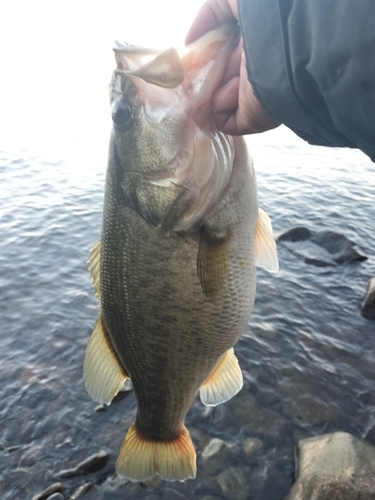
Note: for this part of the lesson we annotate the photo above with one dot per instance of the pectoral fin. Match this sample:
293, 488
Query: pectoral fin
224, 382
212, 262
265, 245
94, 267
103, 374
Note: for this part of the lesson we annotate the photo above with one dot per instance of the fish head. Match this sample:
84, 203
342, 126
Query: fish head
161, 102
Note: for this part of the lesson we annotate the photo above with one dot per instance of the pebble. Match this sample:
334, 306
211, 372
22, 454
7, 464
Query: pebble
54, 488
93, 463
252, 448
100, 408
368, 304
56, 496
234, 484
170, 494
215, 455
84, 488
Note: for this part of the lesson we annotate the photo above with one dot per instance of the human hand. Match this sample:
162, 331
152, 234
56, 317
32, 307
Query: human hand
235, 109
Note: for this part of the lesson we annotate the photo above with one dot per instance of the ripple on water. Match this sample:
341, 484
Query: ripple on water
307, 354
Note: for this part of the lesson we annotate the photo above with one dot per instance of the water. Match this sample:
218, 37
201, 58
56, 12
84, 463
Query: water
307, 354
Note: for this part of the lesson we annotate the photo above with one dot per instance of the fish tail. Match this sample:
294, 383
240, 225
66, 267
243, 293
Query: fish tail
141, 458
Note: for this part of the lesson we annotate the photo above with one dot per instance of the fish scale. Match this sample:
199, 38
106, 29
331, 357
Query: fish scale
178, 252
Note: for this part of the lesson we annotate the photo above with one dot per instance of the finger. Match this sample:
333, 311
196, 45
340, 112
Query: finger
212, 14
225, 105
233, 65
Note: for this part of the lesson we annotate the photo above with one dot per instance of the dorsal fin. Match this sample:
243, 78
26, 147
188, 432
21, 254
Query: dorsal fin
265, 244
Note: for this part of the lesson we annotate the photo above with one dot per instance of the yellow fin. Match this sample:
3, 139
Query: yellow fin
265, 244
94, 267
103, 374
141, 458
224, 382
212, 263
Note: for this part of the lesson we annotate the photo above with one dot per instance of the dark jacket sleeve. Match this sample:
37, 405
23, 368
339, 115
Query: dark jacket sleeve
312, 67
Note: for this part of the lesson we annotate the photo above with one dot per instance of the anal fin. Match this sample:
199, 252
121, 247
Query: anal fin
103, 374
224, 382
141, 458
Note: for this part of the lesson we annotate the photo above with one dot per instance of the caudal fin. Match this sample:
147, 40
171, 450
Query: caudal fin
140, 458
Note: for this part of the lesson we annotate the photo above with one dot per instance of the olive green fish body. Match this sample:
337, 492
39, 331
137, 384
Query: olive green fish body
166, 331
174, 271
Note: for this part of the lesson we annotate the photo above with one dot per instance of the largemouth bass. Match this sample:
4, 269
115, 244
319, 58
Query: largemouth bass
174, 271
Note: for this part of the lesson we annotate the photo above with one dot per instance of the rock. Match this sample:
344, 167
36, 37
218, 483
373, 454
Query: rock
252, 448
170, 494
233, 483
200, 440
368, 304
335, 466
92, 464
153, 482
56, 496
295, 234
215, 455
307, 408
100, 407
341, 248
266, 423
81, 490
54, 488
324, 248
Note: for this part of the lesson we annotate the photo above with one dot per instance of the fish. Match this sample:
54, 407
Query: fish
175, 268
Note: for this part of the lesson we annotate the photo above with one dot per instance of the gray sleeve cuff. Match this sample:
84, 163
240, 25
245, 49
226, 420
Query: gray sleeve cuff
279, 42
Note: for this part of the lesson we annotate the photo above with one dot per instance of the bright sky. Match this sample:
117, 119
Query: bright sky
57, 59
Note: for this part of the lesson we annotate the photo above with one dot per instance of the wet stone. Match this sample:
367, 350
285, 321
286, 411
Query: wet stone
233, 483
170, 494
368, 304
56, 496
215, 456
100, 408
209, 497
91, 464
295, 234
308, 409
54, 488
81, 490
199, 438
323, 248
334, 466
151, 483
252, 448
266, 423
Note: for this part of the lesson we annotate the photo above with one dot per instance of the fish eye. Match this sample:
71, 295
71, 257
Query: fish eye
121, 113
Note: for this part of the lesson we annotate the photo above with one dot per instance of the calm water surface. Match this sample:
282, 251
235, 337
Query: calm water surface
307, 354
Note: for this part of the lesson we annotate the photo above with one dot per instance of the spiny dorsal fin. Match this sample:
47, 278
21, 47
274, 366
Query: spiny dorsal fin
141, 458
212, 263
103, 374
265, 244
94, 267
224, 382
